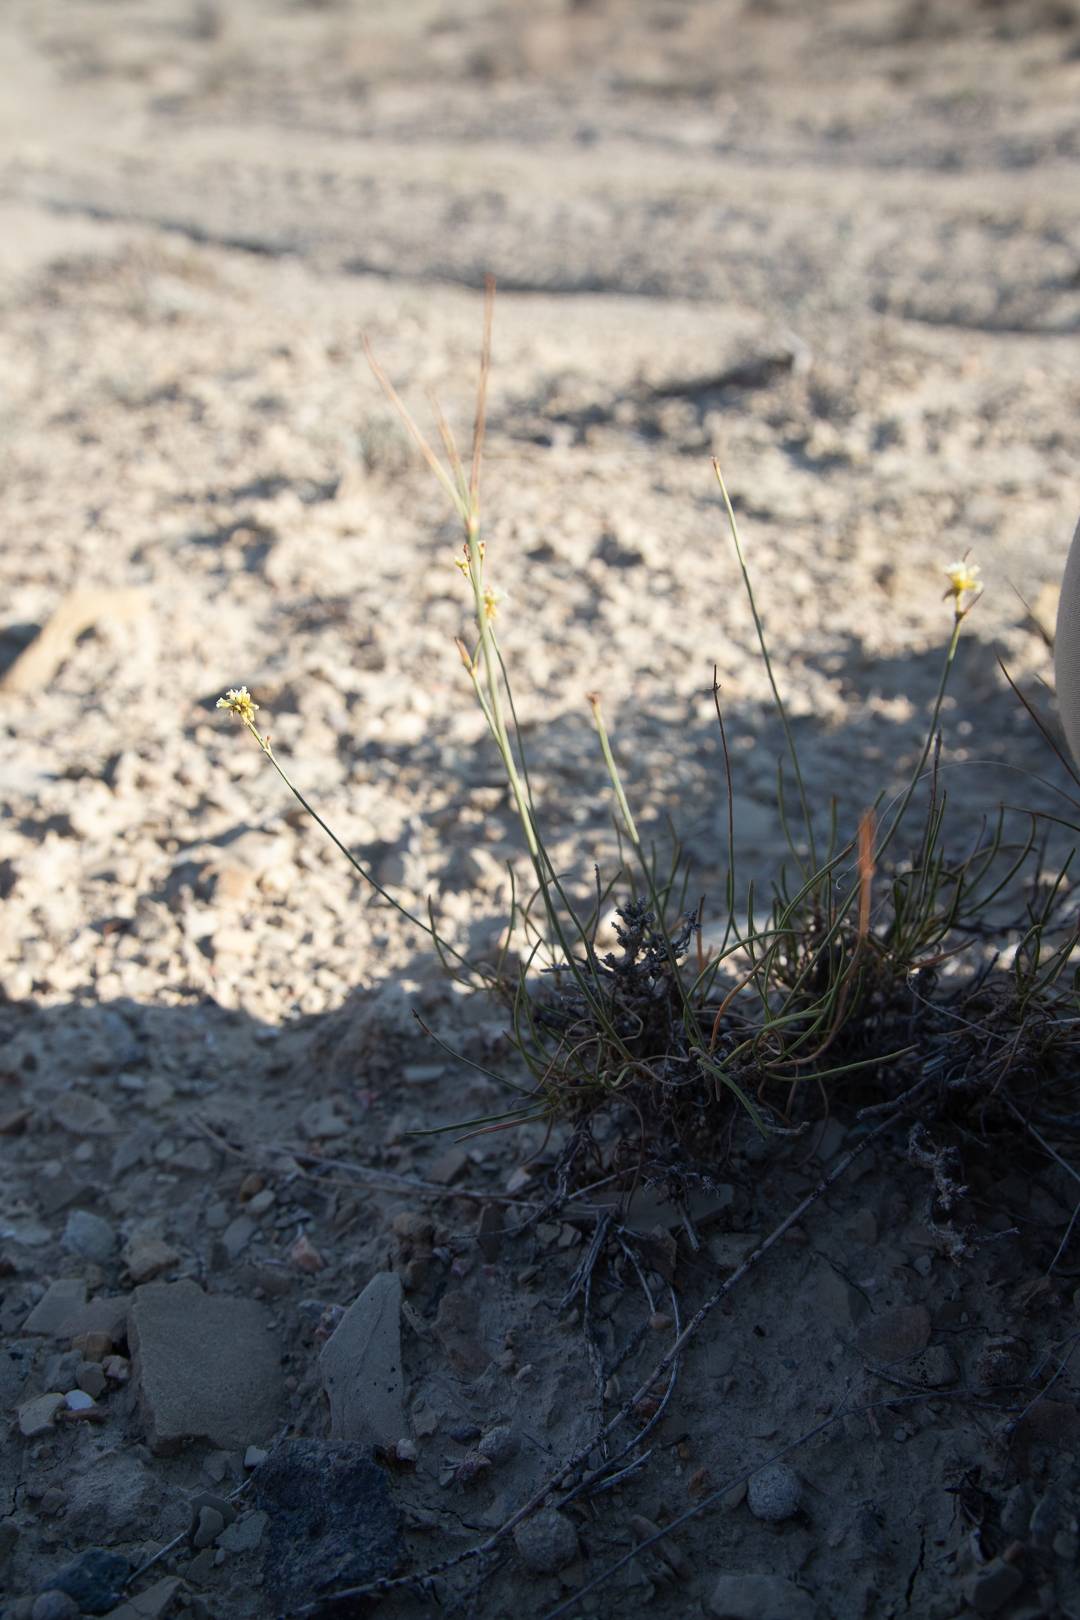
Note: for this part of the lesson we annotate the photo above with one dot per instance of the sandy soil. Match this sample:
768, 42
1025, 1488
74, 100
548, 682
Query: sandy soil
836, 245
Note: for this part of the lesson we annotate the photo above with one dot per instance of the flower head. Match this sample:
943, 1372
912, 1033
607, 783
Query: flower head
238, 701
491, 602
963, 580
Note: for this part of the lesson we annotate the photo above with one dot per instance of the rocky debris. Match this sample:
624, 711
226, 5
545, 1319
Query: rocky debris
759, 1597
992, 1586
320, 1121
728, 1250
546, 1542
91, 1379
37, 1416
490, 1228
1002, 1360
935, 1367
245, 1535
774, 1493
206, 1367
89, 1235
1016, 1510
893, 1335
54, 1606
413, 1238
94, 1580
56, 1307
106, 1316
147, 1257
837, 1301
152, 1604
83, 1115
360, 1367
331, 1520
208, 1527
457, 1328
498, 1444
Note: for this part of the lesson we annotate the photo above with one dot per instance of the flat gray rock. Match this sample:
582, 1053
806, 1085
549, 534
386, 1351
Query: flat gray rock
360, 1367
206, 1367
61, 1300
759, 1597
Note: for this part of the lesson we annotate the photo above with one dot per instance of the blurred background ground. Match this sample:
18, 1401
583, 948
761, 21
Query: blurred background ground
836, 245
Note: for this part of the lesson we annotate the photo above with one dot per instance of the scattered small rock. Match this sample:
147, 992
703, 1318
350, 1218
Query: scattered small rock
59, 1302
498, 1444
206, 1366
895, 1334
836, 1300
774, 1493
91, 1379
759, 1597
332, 1520
1002, 1361
245, 1535
319, 1121
255, 1456
305, 1256
54, 1606
93, 1580
729, 1249
360, 1367
148, 1257
934, 1367
77, 1400
83, 1115
236, 1237
151, 1604
37, 1416
546, 1542
457, 1330
991, 1587
89, 1235
105, 1314
1016, 1511
489, 1232
208, 1527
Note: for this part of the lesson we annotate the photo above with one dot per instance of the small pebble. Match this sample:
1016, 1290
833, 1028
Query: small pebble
77, 1400
255, 1456
91, 1379
89, 1235
547, 1542
774, 1493
500, 1443
54, 1606
209, 1526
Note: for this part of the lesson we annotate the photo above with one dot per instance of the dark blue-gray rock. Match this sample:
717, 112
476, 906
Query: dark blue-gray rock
89, 1235
893, 1335
759, 1597
332, 1521
774, 1493
546, 1542
93, 1580
54, 1606
992, 1586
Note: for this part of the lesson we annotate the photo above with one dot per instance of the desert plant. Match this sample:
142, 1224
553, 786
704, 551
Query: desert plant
825, 991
